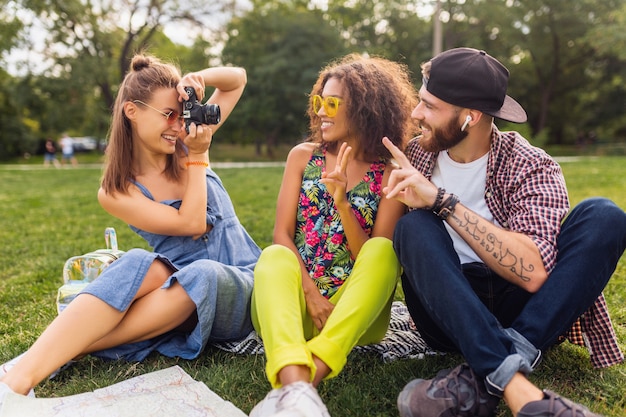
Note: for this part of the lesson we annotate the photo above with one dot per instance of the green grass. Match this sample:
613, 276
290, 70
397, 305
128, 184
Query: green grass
51, 215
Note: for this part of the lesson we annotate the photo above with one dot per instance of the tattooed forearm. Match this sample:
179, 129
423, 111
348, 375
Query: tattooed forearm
471, 226
476, 229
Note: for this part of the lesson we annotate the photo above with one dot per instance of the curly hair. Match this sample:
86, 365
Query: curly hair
147, 74
379, 100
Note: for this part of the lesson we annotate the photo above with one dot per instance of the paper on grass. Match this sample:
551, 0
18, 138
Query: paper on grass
168, 392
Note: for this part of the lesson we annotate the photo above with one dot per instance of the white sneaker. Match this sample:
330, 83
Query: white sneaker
4, 368
4, 389
267, 406
300, 399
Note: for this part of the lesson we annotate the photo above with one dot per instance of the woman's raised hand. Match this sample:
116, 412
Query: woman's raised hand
194, 80
336, 181
199, 138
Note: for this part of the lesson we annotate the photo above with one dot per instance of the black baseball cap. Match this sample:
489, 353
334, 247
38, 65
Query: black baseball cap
470, 78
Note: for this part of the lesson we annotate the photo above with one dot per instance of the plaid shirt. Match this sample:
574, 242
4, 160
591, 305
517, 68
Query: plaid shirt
525, 191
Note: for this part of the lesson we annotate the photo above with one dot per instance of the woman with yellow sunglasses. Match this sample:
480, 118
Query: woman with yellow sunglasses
328, 281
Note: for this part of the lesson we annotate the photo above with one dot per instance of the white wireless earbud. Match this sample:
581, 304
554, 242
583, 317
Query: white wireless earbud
468, 119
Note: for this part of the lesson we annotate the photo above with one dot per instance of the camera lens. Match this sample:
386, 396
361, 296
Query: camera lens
211, 114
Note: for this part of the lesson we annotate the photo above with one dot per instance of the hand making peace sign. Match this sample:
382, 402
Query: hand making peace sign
406, 183
336, 181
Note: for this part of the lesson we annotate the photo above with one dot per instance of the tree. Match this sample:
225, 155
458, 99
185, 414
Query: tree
392, 29
606, 99
566, 58
15, 136
10, 25
88, 48
282, 46
545, 44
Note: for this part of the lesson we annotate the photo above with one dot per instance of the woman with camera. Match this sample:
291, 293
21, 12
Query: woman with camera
196, 284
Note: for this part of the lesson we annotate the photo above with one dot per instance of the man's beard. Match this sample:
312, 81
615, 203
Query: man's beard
445, 138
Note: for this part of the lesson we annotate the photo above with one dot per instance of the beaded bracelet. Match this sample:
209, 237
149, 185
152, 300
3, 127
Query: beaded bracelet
447, 208
199, 163
437, 204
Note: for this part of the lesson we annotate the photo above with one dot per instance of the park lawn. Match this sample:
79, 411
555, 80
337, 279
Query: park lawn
51, 215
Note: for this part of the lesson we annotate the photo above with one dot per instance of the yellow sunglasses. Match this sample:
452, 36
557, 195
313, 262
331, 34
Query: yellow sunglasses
330, 104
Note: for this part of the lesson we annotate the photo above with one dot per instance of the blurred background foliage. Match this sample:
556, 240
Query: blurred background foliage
61, 61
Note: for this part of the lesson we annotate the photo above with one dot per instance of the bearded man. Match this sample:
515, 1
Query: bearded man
493, 268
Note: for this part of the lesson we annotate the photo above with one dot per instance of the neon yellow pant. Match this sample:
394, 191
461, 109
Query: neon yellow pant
361, 314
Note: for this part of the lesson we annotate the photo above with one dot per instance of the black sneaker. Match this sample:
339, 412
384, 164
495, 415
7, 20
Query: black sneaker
455, 393
554, 405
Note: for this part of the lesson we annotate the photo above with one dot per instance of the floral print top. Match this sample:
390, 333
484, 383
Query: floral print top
320, 236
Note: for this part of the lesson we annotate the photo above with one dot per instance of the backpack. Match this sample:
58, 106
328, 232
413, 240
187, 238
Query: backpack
80, 270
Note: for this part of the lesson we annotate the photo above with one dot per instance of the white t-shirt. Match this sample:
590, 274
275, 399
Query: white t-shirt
467, 181
67, 145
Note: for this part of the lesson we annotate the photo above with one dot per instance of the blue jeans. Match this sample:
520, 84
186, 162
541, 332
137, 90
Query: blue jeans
498, 327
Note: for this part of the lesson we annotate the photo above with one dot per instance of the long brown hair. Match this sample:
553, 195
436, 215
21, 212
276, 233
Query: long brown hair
147, 74
379, 98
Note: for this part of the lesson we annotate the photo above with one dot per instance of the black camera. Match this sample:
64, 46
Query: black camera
196, 112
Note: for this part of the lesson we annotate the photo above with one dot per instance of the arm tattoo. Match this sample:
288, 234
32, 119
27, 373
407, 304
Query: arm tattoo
475, 229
